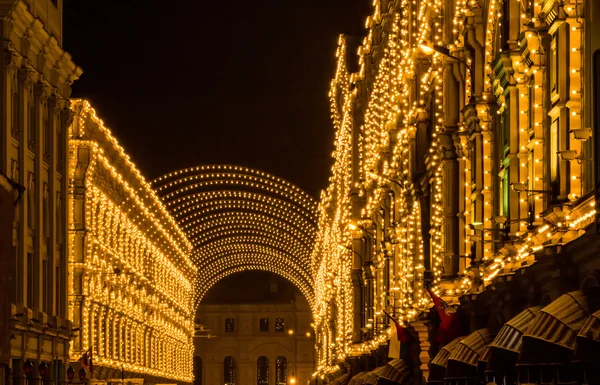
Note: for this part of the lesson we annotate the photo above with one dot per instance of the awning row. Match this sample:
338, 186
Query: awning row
396, 371
564, 331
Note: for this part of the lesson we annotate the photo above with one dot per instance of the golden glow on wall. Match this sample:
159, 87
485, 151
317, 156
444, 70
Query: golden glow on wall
242, 219
139, 319
449, 171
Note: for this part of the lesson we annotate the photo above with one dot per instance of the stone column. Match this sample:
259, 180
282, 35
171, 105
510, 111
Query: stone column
450, 170
422, 330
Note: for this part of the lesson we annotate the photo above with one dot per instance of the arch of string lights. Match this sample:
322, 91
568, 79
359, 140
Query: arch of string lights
241, 219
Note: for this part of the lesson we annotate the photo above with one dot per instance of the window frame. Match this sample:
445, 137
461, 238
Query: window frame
229, 322
263, 322
279, 328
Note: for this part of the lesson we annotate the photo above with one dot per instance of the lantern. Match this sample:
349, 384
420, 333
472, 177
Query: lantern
27, 366
43, 368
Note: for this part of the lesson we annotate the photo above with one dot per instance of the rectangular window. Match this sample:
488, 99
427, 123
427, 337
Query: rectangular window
45, 288
15, 115
60, 149
264, 325
506, 128
229, 325
553, 66
30, 278
46, 212
279, 325
30, 201
32, 127
57, 285
554, 152
59, 219
505, 188
47, 141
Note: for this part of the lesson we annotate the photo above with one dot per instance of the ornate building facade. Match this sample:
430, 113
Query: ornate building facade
254, 336
130, 275
36, 75
464, 162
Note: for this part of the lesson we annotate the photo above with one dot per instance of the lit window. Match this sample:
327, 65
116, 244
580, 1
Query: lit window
229, 371
229, 325
281, 371
279, 325
554, 152
262, 371
553, 67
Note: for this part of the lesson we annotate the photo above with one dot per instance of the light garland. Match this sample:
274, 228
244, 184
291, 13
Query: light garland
241, 219
398, 93
125, 318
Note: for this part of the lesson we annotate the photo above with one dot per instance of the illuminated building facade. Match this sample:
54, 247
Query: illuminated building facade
36, 75
260, 334
464, 162
130, 275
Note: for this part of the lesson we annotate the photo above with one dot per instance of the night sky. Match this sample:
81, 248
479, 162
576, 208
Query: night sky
187, 83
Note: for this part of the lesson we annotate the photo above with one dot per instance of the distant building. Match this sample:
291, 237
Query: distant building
131, 286
35, 79
256, 329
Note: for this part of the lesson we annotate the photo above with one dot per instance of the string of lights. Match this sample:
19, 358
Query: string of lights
437, 86
242, 219
130, 272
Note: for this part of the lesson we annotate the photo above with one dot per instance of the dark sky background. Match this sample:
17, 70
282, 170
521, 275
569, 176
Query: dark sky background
194, 82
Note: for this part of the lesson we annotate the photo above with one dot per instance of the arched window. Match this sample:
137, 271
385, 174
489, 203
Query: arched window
262, 371
229, 371
197, 370
281, 371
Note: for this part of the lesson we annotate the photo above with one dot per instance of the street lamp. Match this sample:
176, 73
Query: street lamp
43, 370
70, 374
27, 366
429, 49
522, 187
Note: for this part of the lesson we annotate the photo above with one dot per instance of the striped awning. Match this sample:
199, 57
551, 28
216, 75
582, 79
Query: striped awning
357, 379
462, 362
551, 336
504, 350
341, 380
588, 340
437, 366
371, 377
396, 371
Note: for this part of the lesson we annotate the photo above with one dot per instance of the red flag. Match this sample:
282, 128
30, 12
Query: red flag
399, 336
450, 323
400, 330
86, 360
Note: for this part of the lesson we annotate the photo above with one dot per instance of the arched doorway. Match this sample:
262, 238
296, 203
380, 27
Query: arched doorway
229, 371
262, 371
197, 370
281, 371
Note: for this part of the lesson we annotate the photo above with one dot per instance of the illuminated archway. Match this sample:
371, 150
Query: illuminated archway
240, 219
